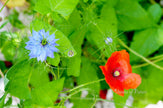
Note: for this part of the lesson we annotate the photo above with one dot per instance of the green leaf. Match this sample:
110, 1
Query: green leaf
150, 90
25, 76
102, 28
54, 61
64, 26
74, 63
85, 0
88, 74
65, 45
69, 82
146, 42
111, 3
108, 20
131, 16
38, 75
29, 80
155, 11
42, 6
70, 25
56, 18
64, 7
39, 24
75, 19
47, 94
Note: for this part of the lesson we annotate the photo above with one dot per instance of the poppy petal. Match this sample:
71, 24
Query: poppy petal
103, 70
119, 55
116, 86
119, 59
131, 81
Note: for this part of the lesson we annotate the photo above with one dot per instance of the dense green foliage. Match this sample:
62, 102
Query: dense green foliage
82, 26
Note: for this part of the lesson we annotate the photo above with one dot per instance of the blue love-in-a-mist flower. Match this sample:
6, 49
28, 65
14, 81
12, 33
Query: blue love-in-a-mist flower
41, 45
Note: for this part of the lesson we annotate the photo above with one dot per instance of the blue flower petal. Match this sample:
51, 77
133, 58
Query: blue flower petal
54, 49
33, 52
39, 51
46, 34
42, 33
54, 44
51, 38
49, 52
36, 36
42, 56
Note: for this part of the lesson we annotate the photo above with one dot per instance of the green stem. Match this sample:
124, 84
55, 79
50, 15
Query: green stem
145, 64
58, 72
51, 70
68, 97
84, 85
75, 92
4, 5
156, 57
137, 54
53, 75
95, 100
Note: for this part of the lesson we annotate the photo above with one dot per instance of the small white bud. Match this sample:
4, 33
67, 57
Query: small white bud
70, 53
108, 40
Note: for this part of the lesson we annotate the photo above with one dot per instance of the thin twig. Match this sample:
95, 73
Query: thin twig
1, 73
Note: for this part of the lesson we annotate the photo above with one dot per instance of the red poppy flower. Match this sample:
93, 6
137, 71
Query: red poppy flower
103, 93
118, 73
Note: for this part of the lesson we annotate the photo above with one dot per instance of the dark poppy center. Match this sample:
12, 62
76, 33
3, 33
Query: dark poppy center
116, 73
44, 42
